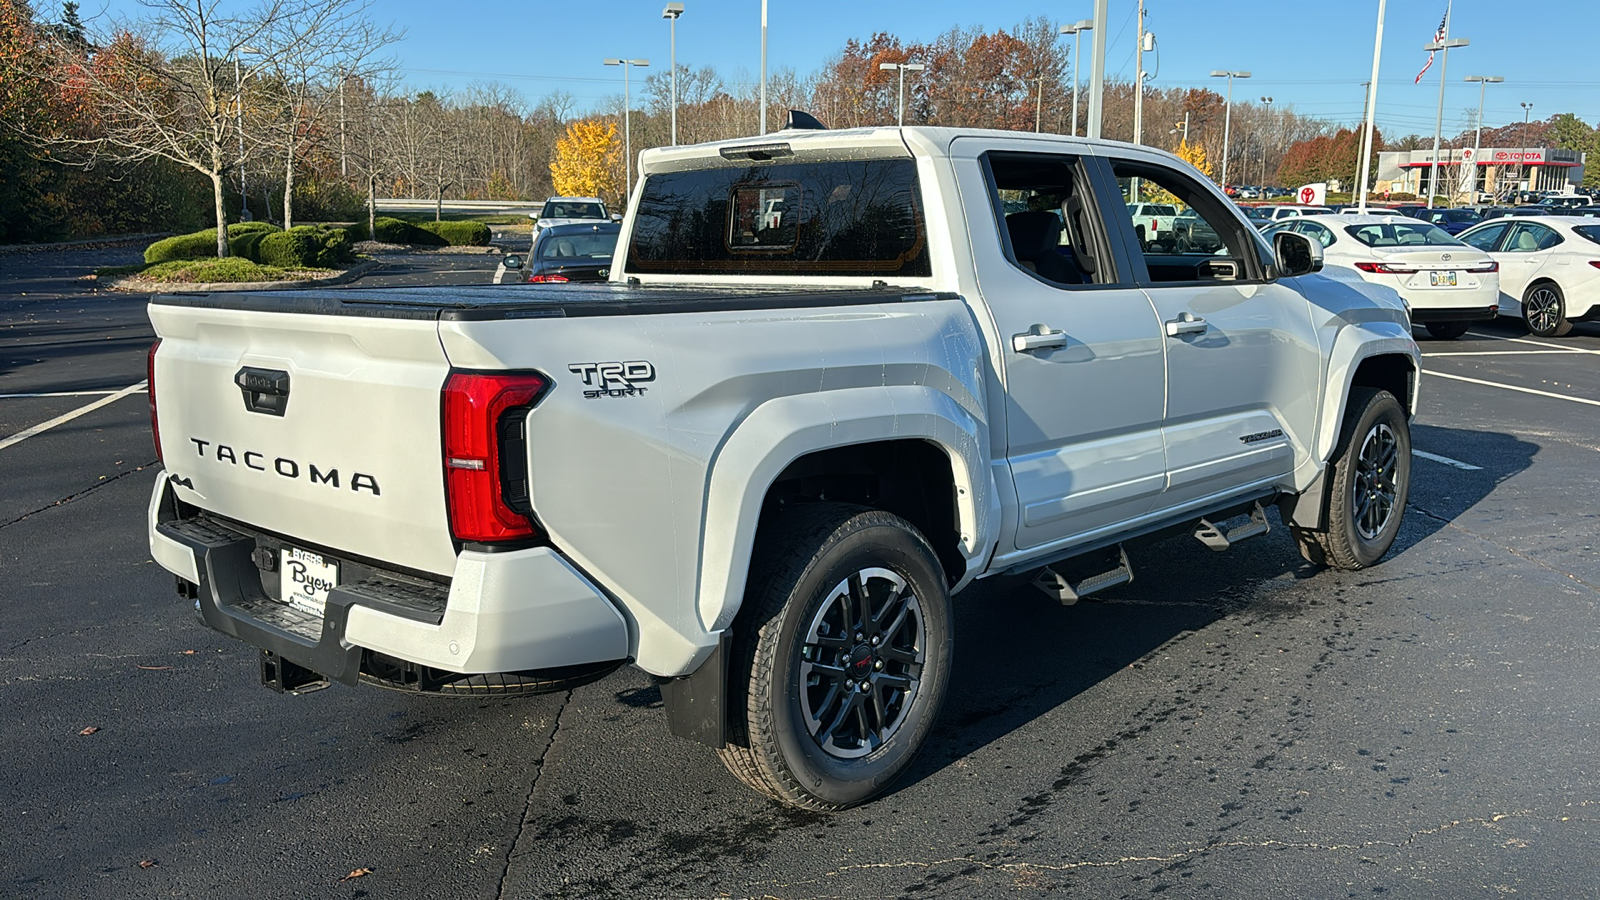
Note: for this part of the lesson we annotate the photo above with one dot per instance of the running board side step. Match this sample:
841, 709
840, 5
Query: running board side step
1056, 585
1218, 540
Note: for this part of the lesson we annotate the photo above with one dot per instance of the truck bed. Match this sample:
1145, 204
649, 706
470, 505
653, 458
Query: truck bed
491, 302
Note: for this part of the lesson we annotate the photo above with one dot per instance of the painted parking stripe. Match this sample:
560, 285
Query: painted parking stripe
1447, 353
1446, 460
1535, 343
57, 394
42, 427
1510, 387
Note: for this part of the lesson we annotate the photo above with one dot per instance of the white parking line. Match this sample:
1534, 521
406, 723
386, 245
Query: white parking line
42, 427
1508, 352
1509, 387
1568, 349
1446, 460
57, 394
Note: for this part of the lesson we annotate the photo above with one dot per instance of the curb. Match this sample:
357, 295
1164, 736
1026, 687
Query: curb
147, 287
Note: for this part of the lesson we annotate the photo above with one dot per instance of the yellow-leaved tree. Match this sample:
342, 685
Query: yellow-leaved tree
1194, 155
585, 161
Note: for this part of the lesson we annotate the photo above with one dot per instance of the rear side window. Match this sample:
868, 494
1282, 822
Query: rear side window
1588, 232
851, 217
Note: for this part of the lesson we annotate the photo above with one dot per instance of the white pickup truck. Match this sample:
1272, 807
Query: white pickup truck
836, 376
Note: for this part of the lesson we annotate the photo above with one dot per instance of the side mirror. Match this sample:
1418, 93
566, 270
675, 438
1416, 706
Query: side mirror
1296, 254
616, 217
511, 262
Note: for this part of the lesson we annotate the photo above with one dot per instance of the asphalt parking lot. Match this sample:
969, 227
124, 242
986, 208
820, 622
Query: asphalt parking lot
1227, 725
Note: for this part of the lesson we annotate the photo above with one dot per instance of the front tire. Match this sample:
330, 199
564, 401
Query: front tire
1369, 481
1447, 331
1544, 309
841, 656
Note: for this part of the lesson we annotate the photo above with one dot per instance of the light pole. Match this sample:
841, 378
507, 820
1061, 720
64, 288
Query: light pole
1227, 118
1477, 141
1097, 71
673, 11
1365, 165
238, 107
1146, 43
627, 123
1076, 30
1438, 122
1523, 163
763, 66
1267, 102
900, 118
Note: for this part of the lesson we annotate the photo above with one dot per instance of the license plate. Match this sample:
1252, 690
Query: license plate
306, 579
1442, 279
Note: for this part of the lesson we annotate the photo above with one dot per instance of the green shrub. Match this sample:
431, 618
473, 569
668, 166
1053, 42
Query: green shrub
200, 271
303, 247
398, 231
247, 245
201, 244
460, 234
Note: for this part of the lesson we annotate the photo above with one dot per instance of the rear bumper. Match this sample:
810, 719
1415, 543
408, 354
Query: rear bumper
511, 611
1424, 314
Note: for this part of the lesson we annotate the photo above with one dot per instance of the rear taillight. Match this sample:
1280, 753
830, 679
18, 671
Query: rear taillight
485, 454
1595, 263
1385, 268
1484, 267
150, 389
548, 279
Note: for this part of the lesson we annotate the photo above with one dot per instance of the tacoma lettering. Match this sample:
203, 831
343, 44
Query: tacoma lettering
283, 466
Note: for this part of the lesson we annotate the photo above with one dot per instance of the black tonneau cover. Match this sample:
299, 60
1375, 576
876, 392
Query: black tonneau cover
523, 301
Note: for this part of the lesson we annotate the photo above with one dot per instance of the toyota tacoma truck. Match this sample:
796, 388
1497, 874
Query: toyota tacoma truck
835, 378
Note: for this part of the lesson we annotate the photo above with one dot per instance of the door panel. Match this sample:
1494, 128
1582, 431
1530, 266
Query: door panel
1085, 392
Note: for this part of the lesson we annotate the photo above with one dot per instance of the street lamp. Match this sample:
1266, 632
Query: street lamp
627, 122
1227, 117
673, 11
1526, 109
900, 118
1477, 141
1267, 102
763, 66
238, 105
1438, 122
1076, 29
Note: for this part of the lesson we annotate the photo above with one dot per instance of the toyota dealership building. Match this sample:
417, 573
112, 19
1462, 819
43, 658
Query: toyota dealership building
1491, 170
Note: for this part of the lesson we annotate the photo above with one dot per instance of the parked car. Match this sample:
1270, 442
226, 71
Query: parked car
1154, 220
1259, 216
1549, 268
1454, 221
1290, 211
569, 210
563, 253
1371, 211
1446, 284
760, 459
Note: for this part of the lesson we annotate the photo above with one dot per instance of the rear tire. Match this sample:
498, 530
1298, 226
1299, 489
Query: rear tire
1447, 331
1544, 309
1369, 481
841, 656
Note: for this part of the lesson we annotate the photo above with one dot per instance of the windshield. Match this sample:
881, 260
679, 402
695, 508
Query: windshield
1251, 212
1454, 215
571, 210
1402, 234
587, 246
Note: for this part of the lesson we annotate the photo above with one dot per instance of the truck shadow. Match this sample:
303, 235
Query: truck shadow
1020, 655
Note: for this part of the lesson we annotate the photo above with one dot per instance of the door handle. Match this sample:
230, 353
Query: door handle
1039, 337
1186, 323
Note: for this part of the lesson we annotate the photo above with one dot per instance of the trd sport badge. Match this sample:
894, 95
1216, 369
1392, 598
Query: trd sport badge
613, 379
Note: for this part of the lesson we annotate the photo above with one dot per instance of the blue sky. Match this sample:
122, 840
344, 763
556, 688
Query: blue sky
1311, 55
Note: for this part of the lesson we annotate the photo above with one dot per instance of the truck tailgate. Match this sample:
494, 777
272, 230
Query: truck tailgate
351, 462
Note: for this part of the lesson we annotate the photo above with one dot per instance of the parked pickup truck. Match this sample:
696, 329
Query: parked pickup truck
830, 383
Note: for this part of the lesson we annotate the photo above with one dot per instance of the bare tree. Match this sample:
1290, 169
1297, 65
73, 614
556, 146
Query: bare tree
169, 86
314, 49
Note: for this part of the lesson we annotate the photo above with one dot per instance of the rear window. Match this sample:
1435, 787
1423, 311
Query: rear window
1402, 234
1588, 232
850, 217
586, 245
571, 210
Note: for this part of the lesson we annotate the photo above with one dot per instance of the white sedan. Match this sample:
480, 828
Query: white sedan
1549, 268
1446, 284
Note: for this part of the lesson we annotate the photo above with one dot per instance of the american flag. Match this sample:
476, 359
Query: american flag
1438, 37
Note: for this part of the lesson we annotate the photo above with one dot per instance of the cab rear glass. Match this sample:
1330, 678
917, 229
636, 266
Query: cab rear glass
842, 218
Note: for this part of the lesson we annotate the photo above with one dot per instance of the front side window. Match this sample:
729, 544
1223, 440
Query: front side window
1201, 234
843, 218
1486, 238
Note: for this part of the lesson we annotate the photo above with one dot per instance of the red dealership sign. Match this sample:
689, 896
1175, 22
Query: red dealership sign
1519, 156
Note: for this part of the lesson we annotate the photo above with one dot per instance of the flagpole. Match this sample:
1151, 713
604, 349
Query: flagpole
1438, 122
1372, 111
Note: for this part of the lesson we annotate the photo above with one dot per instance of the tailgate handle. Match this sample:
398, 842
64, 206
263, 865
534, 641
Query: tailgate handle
265, 390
